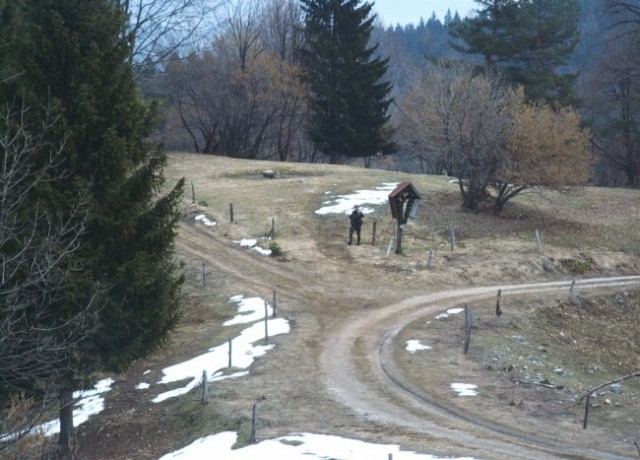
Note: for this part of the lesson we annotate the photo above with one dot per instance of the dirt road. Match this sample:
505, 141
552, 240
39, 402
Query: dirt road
386, 396
353, 374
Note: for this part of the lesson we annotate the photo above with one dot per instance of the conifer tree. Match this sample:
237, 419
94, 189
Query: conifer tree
531, 40
349, 96
76, 55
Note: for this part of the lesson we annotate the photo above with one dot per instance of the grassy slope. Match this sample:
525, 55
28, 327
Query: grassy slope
585, 232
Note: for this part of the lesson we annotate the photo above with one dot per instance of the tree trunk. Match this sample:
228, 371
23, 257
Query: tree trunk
66, 421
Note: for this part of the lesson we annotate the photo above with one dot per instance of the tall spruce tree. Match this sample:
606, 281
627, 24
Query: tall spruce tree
531, 40
76, 55
349, 96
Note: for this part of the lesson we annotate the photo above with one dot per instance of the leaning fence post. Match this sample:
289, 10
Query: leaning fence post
586, 412
193, 193
537, 241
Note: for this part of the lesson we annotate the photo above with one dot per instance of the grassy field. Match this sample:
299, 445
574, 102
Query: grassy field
532, 362
582, 230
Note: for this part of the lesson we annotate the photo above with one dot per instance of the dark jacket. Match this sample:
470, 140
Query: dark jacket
356, 218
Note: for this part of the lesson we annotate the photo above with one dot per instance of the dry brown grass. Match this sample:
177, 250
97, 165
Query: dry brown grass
585, 232
536, 361
586, 219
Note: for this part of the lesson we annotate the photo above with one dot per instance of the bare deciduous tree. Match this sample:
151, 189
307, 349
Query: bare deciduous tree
243, 26
282, 34
37, 244
613, 97
487, 135
462, 121
625, 14
161, 27
282, 38
242, 96
548, 147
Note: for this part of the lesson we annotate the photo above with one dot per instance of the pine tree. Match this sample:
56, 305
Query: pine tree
76, 55
531, 40
350, 98
489, 33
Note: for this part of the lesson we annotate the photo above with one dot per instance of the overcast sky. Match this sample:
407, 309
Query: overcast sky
392, 12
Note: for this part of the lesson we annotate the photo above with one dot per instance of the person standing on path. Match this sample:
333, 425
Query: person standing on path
356, 224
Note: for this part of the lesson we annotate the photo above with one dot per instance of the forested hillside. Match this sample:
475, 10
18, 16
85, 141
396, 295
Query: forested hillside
240, 93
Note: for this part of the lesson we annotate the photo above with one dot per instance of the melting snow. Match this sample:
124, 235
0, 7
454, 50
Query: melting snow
343, 204
451, 311
415, 345
205, 220
252, 243
299, 446
243, 350
465, 389
90, 402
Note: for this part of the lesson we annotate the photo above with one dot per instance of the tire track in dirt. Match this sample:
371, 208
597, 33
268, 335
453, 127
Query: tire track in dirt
381, 393
386, 396
253, 269
298, 283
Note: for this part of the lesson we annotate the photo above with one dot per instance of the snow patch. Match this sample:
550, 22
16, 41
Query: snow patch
415, 345
205, 220
465, 389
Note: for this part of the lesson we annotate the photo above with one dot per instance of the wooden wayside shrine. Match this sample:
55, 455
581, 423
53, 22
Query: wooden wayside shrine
404, 205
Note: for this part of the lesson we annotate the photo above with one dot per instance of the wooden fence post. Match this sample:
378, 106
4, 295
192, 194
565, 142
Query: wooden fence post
272, 233
373, 232
231, 212
204, 274
452, 238
586, 412
572, 290
266, 320
274, 304
254, 424
430, 261
537, 241
193, 193
468, 320
230, 350
205, 388
498, 309
389, 247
